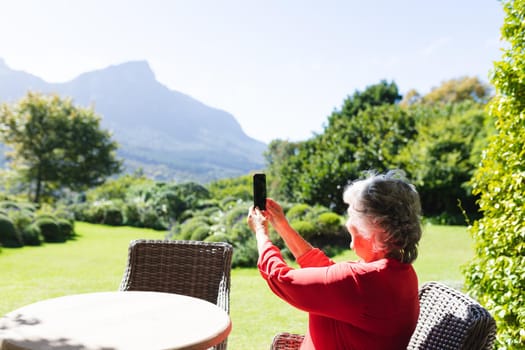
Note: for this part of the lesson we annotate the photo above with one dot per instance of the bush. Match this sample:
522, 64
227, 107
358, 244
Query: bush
80, 211
21, 219
113, 216
305, 228
200, 233
149, 218
237, 234
9, 237
298, 211
9, 205
236, 214
496, 275
31, 235
245, 253
209, 212
95, 213
66, 227
229, 202
325, 232
50, 230
186, 215
330, 224
185, 230
106, 212
219, 237
131, 213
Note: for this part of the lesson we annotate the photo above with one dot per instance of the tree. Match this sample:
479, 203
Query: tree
369, 141
281, 177
496, 275
365, 134
411, 97
443, 156
56, 145
383, 93
458, 90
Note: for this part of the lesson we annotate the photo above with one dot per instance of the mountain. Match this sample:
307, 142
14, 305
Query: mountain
168, 134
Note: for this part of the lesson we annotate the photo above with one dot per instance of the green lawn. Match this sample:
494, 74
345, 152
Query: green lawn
95, 261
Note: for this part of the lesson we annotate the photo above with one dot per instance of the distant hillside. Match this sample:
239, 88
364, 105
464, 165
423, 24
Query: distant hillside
168, 134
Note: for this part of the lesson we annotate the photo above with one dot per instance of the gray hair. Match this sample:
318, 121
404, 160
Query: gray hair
389, 206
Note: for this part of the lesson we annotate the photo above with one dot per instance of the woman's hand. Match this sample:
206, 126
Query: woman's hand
275, 214
257, 221
259, 225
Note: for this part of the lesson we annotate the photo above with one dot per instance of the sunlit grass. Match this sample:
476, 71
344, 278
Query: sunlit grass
95, 261
443, 252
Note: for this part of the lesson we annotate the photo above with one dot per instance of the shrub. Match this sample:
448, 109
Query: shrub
113, 216
80, 211
245, 253
236, 214
9, 237
31, 235
298, 211
496, 275
228, 202
50, 230
95, 212
66, 227
185, 215
9, 205
200, 233
209, 212
219, 237
117, 188
238, 233
325, 232
104, 212
150, 218
330, 224
207, 203
62, 213
305, 228
21, 219
185, 230
131, 214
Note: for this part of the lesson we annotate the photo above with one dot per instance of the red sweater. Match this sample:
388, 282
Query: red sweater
351, 305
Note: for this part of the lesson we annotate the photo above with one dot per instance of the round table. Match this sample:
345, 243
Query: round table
115, 320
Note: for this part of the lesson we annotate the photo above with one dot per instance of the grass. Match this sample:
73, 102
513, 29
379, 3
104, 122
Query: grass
95, 261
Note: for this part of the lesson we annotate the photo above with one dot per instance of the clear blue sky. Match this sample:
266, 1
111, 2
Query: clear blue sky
279, 66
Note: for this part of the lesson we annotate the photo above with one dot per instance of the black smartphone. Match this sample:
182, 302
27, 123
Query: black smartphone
259, 191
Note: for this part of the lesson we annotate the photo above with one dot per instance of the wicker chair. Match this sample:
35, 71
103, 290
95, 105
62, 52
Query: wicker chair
448, 320
193, 268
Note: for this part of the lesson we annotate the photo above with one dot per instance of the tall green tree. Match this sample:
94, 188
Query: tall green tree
441, 159
369, 141
382, 93
56, 145
281, 174
496, 275
364, 134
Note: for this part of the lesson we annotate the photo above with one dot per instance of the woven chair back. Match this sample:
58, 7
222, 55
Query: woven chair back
194, 268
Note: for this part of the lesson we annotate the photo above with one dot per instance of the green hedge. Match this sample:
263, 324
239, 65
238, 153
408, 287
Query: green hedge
50, 230
9, 237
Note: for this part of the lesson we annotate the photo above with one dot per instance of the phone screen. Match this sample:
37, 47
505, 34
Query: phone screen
259, 191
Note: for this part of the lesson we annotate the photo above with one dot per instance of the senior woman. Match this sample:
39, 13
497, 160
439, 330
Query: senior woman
369, 304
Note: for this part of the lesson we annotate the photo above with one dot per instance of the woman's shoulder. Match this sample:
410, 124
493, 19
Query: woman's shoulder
381, 265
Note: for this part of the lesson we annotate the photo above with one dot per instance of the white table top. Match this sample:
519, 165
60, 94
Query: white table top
115, 320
